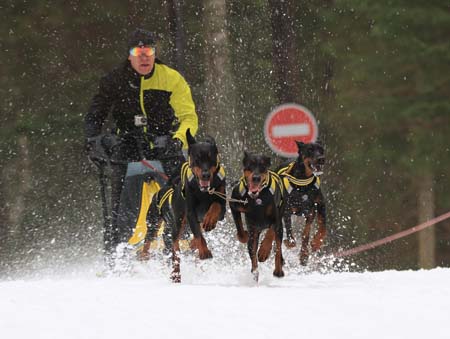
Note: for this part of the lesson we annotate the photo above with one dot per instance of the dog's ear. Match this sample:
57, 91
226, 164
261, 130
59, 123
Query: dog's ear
189, 137
210, 140
246, 156
267, 161
301, 147
300, 144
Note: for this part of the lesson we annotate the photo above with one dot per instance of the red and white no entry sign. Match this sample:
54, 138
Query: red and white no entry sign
289, 123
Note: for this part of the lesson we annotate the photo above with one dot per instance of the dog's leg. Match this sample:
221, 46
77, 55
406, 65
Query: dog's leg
266, 245
304, 251
278, 231
202, 247
175, 276
153, 222
212, 216
176, 231
199, 241
289, 242
242, 234
278, 272
252, 246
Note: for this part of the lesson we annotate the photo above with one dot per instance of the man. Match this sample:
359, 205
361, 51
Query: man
152, 107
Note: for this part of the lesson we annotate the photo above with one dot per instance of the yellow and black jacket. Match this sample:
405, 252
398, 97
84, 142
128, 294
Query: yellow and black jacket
163, 96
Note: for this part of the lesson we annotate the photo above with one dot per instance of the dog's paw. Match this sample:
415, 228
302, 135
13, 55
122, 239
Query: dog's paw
143, 256
316, 243
205, 254
243, 237
207, 226
290, 242
304, 256
209, 222
278, 273
263, 254
255, 275
175, 277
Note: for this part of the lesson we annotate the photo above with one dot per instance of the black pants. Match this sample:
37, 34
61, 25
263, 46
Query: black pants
112, 233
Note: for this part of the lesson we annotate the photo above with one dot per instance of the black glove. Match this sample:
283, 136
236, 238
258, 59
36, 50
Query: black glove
95, 151
174, 146
168, 147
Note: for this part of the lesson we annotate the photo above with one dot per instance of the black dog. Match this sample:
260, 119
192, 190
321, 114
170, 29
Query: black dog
259, 195
304, 196
197, 198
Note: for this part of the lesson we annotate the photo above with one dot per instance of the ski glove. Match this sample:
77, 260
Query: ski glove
95, 151
168, 147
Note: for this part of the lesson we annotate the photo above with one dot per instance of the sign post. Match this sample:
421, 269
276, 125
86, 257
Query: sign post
289, 123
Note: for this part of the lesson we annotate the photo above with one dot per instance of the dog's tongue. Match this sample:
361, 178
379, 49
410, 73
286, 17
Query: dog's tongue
204, 184
253, 188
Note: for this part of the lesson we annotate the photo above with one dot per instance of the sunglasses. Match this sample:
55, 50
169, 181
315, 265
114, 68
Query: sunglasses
138, 51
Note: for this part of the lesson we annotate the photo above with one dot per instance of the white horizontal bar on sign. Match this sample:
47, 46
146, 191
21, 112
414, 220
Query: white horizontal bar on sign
290, 130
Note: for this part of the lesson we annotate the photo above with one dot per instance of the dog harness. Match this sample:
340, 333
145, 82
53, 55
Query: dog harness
290, 182
167, 195
272, 181
187, 175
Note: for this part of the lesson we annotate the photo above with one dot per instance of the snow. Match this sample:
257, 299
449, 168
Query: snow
214, 301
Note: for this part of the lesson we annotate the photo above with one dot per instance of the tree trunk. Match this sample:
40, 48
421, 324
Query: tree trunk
177, 34
219, 101
427, 237
134, 17
284, 50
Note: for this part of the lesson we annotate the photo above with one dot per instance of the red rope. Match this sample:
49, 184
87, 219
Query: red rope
147, 164
393, 237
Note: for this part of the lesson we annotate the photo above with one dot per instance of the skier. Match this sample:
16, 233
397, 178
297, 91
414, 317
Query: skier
152, 107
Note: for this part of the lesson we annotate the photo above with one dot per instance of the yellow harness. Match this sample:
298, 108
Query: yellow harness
187, 175
289, 181
272, 181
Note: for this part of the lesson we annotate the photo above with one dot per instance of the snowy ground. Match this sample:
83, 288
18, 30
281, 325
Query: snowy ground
214, 301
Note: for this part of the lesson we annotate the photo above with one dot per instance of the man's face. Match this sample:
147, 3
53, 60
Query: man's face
142, 59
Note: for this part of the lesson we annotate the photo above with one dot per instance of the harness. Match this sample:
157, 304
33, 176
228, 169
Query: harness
187, 175
290, 182
167, 195
272, 181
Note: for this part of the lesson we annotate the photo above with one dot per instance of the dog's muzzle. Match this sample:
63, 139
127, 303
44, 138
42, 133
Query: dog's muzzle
204, 182
317, 166
253, 189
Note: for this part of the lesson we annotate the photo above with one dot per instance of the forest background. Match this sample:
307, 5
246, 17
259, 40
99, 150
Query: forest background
376, 75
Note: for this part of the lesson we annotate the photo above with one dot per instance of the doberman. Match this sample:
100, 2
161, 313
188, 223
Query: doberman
304, 196
197, 199
259, 196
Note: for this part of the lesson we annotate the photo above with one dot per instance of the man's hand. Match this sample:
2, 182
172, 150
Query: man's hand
173, 148
95, 151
